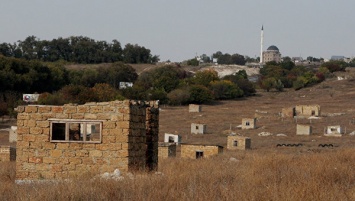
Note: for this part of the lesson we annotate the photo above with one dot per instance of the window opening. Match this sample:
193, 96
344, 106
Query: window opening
235, 143
171, 139
199, 154
75, 131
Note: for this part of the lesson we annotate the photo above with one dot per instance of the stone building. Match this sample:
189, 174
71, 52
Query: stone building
200, 151
334, 131
194, 108
303, 129
308, 110
288, 112
272, 54
235, 142
198, 128
248, 123
166, 150
13, 134
171, 138
54, 142
7, 153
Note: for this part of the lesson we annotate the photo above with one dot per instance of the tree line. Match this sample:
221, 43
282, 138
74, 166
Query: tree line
77, 49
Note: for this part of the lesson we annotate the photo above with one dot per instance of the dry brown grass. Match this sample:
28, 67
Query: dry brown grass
328, 175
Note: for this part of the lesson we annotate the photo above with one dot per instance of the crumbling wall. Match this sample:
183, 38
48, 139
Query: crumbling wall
128, 136
308, 110
171, 138
288, 112
167, 150
235, 142
7, 153
189, 151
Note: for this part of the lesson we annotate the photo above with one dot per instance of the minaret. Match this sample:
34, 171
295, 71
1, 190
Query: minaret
261, 44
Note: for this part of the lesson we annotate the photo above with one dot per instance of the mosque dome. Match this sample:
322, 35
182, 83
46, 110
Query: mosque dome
273, 48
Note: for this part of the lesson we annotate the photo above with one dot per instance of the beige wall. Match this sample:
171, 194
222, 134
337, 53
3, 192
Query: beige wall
167, 150
7, 153
248, 123
198, 128
238, 142
129, 140
189, 151
194, 108
288, 112
303, 129
308, 110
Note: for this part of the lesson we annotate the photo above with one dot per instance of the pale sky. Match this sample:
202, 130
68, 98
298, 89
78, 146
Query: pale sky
179, 29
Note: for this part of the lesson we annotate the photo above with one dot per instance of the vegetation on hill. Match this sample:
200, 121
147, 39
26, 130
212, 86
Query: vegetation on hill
78, 49
287, 75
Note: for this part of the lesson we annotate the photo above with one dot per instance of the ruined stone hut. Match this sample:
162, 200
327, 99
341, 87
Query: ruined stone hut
57, 142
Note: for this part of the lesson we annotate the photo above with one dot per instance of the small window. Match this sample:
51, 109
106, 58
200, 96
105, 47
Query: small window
235, 143
196, 127
247, 123
333, 129
75, 131
199, 154
171, 139
313, 112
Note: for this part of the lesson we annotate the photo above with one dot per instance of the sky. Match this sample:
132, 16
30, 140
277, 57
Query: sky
178, 30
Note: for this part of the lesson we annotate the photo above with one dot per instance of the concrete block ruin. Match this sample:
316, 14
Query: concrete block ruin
336, 131
308, 110
13, 134
7, 153
200, 151
194, 108
303, 129
235, 142
171, 138
288, 112
248, 123
58, 142
198, 128
166, 150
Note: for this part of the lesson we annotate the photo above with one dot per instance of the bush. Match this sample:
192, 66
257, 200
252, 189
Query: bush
178, 97
200, 94
225, 89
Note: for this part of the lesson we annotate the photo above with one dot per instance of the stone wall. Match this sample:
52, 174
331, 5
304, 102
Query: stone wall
129, 140
167, 150
194, 108
235, 142
198, 128
248, 123
303, 129
288, 112
7, 153
308, 110
189, 151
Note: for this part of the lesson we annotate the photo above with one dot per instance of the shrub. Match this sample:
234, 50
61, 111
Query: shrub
200, 94
224, 89
178, 97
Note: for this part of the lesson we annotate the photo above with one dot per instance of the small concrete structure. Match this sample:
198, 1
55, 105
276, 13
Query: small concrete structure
194, 108
235, 142
288, 112
166, 150
248, 123
13, 134
171, 138
200, 151
303, 129
308, 110
198, 128
7, 153
336, 131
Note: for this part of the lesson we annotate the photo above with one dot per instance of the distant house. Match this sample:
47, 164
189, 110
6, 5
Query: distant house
337, 58
334, 131
193, 151
124, 85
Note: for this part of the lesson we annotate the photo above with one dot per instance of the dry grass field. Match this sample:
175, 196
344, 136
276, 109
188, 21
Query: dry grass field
265, 172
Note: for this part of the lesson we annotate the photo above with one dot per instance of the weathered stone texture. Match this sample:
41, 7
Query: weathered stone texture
235, 142
129, 140
189, 151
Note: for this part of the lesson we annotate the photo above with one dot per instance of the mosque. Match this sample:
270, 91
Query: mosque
271, 54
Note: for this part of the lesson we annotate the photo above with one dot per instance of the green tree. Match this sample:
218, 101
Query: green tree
224, 89
200, 94
179, 97
205, 77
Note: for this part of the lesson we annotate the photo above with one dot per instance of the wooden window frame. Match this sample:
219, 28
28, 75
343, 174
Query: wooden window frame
70, 121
